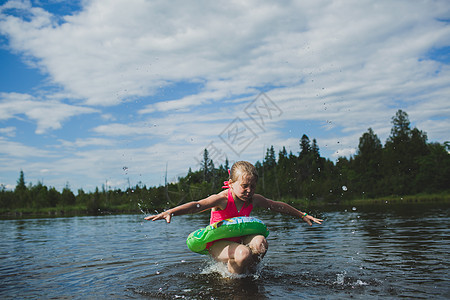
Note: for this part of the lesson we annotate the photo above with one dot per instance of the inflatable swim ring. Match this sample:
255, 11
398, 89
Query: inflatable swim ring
233, 227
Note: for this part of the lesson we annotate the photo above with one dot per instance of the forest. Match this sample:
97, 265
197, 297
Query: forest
406, 165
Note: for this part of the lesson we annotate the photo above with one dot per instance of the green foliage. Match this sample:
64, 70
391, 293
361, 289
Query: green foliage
207, 168
402, 153
406, 165
368, 164
21, 182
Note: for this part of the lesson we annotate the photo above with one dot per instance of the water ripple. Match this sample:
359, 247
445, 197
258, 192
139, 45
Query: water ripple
357, 254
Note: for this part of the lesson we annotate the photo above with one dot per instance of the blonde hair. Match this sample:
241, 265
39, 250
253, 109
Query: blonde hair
243, 168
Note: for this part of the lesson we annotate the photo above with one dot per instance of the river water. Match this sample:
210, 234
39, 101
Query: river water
391, 252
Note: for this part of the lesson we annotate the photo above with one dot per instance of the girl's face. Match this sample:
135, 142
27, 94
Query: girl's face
244, 187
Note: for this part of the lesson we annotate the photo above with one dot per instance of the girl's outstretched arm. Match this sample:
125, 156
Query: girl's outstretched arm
189, 208
284, 208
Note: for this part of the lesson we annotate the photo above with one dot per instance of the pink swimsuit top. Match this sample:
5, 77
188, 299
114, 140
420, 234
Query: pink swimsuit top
230, 211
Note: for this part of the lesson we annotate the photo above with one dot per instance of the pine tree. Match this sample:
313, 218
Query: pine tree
21, 182
400, 157
367, 164
305, 146
207, 167
270, 160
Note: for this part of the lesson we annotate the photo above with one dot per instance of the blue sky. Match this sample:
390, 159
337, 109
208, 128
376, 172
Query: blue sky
111, 93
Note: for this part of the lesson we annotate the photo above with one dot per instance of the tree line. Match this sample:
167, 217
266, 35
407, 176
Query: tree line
406, 165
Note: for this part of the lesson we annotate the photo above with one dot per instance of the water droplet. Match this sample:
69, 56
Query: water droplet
344, 188
359, 282
353, 208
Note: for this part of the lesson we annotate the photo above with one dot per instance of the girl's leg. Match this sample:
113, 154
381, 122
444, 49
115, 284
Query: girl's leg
237, 256
258, 244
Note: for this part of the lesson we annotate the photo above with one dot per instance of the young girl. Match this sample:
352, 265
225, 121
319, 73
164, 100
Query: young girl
237, 200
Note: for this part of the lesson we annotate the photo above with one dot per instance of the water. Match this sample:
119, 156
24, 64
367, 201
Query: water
372, 253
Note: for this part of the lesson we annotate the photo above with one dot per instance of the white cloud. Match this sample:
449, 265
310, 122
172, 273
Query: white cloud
345, 152
19, 150
112, 58
8, 131
81, 143
48, 114
122, 130
342, 66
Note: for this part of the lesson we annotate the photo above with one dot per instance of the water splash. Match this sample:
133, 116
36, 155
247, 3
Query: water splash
214, 267
340, 278
360, 283
141, 209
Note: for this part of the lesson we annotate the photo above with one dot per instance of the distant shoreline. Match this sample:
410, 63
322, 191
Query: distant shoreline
414, 199
441, 198
72, 211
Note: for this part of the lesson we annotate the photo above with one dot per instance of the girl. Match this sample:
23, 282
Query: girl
237, 200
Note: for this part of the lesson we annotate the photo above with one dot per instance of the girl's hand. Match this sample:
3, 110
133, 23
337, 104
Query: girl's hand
310, 219
164, 215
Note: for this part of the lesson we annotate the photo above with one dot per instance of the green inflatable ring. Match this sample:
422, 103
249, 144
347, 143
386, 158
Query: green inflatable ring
234, 227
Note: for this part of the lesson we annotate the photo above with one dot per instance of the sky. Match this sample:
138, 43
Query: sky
116, 93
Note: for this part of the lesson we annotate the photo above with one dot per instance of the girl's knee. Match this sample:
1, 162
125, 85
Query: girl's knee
242, 255
259, 244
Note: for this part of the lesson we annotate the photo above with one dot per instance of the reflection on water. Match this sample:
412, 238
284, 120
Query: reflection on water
374, 252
